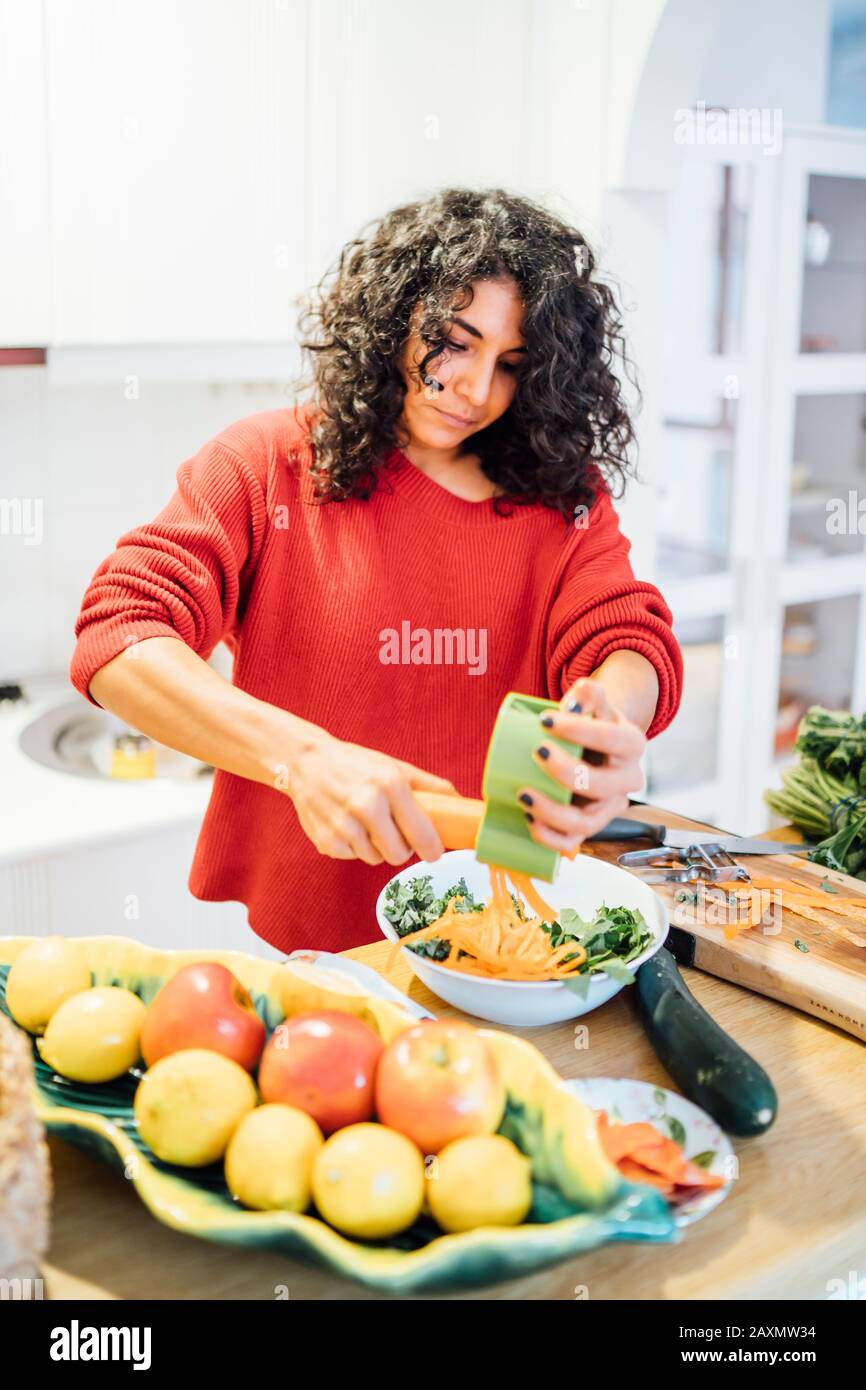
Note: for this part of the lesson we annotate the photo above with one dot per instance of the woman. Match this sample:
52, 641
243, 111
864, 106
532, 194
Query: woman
386, 562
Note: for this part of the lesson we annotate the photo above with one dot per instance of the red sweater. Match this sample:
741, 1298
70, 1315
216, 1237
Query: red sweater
324, 607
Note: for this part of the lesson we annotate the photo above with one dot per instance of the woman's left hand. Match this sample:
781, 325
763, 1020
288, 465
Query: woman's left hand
604, 781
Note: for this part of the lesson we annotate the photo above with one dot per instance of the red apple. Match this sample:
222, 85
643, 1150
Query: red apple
203, 1005
324, 1063
439, 1081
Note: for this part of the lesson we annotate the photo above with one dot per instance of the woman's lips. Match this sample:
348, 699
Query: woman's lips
455, 420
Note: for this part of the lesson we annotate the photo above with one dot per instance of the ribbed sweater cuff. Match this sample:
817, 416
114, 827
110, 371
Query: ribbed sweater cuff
636, 639
100, 642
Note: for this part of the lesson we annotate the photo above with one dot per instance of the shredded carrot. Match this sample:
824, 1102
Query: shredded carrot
499, 944
813, 905
526, 888
794, 889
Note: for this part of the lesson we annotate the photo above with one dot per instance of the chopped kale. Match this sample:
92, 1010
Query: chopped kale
413, 905
434, 949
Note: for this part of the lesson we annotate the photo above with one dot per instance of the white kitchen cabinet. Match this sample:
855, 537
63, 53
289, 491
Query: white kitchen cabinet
25, 286
813, 487
764, 436
177, 136
203, 163
133, 885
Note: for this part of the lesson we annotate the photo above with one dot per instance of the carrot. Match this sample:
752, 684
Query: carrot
833, 900
636, 1173
690, 1175
498, 942
457, 818
643, 1154
793, 889
834, 911
621, 1140
525, 887
664, 1157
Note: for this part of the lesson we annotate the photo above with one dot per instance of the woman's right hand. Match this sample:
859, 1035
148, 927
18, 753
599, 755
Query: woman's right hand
356, 803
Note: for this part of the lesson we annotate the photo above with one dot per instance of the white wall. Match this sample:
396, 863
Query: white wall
99, 463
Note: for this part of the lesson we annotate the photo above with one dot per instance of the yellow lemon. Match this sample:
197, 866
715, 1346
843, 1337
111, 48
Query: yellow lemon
482, 1180
368, 1181
189, 1104
94, 1036
269, 1160
42, 977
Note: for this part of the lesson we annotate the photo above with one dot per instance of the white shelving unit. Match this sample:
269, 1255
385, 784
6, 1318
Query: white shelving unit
763, 425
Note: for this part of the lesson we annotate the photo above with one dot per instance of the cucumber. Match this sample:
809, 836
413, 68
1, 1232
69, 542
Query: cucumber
707, 1065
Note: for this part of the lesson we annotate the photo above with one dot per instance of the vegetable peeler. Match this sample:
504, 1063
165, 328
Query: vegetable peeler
708, 862
495, 827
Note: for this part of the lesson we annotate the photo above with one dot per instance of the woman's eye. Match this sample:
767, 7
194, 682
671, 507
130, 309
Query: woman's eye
510, 367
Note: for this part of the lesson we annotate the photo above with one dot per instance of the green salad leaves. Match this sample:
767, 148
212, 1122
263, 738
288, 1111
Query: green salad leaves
413, 905
611, 938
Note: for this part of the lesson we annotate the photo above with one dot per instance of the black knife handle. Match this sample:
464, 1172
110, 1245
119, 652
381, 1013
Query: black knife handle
621, 829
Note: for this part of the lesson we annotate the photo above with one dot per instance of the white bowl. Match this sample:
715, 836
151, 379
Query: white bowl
584, 884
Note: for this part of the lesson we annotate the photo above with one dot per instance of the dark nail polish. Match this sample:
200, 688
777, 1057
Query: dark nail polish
547, 721
542, 751
575, 707
529, 815
526, 799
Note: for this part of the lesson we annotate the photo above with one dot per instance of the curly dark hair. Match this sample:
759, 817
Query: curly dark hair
567, 430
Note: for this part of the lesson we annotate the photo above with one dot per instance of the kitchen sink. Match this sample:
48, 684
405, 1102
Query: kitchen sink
78, 738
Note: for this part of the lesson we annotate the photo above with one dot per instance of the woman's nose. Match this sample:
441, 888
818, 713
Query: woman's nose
475, 383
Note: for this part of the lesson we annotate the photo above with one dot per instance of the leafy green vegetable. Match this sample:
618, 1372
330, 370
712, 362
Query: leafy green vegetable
824, 795
836, 741
517, 908
465, 901
704, 1159
413, 905
800, 945
613, 937
434, 949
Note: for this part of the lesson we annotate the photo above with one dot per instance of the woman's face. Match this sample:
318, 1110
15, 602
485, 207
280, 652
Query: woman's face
477, 371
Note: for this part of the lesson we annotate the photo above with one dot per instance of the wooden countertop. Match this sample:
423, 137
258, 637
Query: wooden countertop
794, 1219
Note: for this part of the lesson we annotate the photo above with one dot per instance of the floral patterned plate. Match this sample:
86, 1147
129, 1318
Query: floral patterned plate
628, 1102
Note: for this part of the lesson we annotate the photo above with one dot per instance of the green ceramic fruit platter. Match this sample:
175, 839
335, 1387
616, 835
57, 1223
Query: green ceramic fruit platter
580, 1201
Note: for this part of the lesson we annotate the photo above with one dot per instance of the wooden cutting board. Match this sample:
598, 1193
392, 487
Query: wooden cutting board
827, 979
